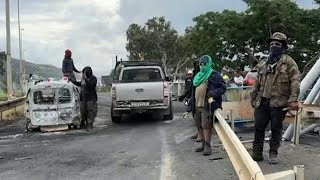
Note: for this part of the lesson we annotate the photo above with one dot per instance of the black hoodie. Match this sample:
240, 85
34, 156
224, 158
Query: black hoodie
88, 85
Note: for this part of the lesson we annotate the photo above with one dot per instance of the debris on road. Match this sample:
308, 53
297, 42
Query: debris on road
22, 158
215, 158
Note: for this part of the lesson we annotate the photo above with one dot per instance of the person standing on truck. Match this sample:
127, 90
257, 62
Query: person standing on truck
68, 66
207, 84
88, 97
277, 87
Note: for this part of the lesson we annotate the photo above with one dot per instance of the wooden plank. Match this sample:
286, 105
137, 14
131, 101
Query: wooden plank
283, 175
297, 128
299, 172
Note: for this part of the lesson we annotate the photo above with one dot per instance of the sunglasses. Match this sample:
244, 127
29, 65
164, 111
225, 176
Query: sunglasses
275, 44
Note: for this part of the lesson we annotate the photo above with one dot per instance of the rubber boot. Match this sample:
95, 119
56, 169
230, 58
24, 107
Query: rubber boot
201, 147
198, 138
273, 157
89, 126
257, 152
207, 149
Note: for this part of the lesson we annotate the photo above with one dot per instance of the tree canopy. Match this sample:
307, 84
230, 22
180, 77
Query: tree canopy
231, 38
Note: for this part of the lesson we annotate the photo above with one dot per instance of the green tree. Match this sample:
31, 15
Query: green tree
157, 40
232, 38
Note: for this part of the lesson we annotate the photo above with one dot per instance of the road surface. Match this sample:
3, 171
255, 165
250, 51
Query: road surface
139, 148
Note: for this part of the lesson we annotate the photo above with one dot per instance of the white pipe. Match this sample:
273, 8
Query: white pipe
313, 92
289, 133
307, 129
309, 79
316, 98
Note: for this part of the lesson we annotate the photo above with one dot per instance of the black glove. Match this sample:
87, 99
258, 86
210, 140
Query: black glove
211, 94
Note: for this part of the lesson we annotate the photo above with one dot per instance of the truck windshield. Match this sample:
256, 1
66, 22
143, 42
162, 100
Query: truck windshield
141, 75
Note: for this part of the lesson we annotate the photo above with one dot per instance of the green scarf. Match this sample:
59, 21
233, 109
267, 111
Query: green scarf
204, 73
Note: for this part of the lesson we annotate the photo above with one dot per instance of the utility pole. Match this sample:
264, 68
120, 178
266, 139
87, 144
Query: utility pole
20, 49
9, 65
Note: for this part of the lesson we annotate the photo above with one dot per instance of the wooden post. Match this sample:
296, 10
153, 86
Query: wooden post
297, 127
299, 172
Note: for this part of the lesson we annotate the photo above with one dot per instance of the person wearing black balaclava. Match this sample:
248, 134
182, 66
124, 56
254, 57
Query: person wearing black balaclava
276, 89
88, 97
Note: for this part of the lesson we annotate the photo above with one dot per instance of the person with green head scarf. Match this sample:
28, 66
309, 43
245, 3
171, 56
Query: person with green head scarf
206, 69
207, 84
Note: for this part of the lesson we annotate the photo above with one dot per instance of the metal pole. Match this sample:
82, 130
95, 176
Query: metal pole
20, 48
9, 64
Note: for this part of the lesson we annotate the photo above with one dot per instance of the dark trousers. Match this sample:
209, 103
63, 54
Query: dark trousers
263, 115
88, 113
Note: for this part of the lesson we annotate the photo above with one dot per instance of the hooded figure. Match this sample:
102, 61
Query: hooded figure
88, 97
207, 83
68, 66
277, 87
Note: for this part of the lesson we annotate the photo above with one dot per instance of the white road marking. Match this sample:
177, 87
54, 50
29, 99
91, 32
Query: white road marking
166, 160
11, 136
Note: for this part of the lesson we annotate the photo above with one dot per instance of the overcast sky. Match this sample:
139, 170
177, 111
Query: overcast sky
95, 30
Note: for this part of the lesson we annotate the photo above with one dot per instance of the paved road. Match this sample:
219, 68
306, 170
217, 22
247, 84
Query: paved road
139, 148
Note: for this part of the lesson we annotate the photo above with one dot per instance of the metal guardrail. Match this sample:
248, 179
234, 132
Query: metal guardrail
244, 165
4, 106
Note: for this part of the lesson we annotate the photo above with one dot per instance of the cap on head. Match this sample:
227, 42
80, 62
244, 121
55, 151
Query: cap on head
68, 53
278, 36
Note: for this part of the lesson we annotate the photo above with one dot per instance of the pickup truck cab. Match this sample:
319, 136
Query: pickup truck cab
140, 87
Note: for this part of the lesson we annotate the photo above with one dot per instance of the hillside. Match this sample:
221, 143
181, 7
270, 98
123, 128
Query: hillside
39, 69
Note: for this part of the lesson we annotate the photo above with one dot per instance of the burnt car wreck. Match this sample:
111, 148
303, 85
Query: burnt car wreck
53, 104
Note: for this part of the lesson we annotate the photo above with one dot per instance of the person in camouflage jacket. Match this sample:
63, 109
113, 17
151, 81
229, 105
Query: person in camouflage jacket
277, 87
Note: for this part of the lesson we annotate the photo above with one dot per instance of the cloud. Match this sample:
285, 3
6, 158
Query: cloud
95, 30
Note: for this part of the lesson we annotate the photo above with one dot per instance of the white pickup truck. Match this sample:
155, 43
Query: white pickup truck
140, 87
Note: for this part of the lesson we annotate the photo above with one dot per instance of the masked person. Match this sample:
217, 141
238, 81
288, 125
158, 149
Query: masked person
88, 97
68, 66
207, 83
277, 87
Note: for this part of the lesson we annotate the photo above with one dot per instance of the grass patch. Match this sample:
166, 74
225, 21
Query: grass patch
3, 97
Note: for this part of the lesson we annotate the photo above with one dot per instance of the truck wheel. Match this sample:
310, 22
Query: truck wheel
115, 119
170, 115
29, 127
